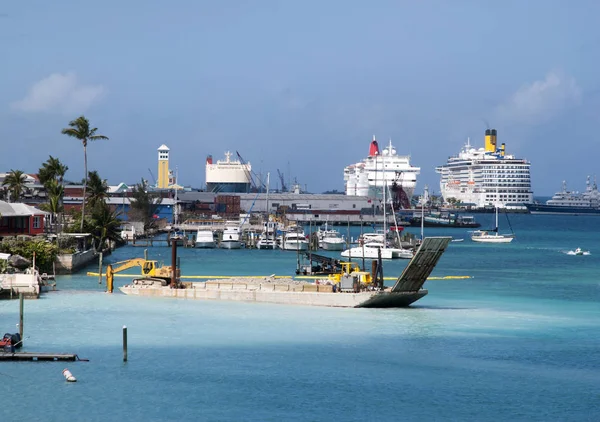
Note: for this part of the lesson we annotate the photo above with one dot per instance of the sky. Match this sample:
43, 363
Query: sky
300, 86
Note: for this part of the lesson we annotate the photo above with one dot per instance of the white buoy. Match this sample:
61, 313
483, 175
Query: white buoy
69, 376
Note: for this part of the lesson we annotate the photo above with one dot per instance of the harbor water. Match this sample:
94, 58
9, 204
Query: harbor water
516, 341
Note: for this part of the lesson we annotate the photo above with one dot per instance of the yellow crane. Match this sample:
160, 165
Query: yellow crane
151, 270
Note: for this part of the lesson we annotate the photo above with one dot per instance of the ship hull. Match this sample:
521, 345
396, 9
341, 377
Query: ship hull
556, 209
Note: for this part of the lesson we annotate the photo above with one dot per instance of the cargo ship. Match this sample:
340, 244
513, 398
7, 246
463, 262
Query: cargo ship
228, 176
573, 203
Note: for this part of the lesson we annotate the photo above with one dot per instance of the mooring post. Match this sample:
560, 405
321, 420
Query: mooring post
100, 269
174, 264
21, 305
124, 343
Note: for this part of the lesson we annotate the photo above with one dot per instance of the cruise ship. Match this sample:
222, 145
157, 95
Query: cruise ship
574, 203
379, 169
486, 177
229, 176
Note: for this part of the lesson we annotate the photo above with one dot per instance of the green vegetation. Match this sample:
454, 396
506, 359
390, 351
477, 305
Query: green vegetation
15, 181
45, 251
51, 175
80, 129
144, 205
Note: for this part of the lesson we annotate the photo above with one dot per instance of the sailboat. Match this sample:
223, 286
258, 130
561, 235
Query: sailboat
492, 236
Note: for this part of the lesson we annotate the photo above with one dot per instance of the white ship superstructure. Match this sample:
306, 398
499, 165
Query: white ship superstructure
379, 169
486, 176
228, 176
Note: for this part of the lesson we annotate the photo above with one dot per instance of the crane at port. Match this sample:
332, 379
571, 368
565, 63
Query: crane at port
251, 175
283, 186
152, 175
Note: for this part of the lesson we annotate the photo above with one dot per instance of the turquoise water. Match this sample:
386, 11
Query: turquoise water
517, 341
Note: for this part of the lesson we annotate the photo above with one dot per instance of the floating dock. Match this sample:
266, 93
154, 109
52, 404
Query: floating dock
32, 356
406, 290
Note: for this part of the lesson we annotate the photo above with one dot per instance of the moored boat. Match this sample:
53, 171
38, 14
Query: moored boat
205, 239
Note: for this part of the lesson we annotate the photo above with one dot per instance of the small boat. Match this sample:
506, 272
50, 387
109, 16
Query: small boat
371, 250
10, 342
177, 237
330, 239
492, 236
294, 240
231, 236
205, 239
267, 237
579, 252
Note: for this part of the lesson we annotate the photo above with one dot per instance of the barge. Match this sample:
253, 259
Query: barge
348, 293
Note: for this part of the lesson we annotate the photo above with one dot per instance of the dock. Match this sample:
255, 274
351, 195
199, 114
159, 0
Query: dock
45, 357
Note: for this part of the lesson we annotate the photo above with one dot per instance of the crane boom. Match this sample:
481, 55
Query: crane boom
283, 186
251, 174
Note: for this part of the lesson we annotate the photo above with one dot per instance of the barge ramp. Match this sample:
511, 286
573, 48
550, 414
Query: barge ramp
406, 290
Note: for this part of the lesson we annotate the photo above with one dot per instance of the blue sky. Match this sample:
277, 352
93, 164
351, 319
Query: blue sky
300, 86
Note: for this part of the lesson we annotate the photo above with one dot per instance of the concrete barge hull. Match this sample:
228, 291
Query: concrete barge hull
340, 300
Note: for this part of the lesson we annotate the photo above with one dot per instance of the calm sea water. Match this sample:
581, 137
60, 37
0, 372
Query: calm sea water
517, 341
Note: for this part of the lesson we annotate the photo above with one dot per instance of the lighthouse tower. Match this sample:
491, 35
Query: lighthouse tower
163, 167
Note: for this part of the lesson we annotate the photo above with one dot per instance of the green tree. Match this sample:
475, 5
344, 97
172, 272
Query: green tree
52, 176
15, 181
80, 129
52, 169
144, 205
97, 189
104, 225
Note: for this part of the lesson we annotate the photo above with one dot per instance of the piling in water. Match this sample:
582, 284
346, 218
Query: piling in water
124, 343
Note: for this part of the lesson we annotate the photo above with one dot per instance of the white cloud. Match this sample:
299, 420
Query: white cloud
540, 100
59, 92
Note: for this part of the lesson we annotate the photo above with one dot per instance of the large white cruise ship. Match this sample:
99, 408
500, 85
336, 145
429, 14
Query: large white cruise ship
486, 176
379, 169
228, 176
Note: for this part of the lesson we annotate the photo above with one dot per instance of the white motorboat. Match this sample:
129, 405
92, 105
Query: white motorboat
371, 251
294, 240
331, 240
578, 252
231, 236
205, 239
267, 238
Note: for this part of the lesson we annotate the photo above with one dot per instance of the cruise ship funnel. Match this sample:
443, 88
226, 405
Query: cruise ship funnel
490, 140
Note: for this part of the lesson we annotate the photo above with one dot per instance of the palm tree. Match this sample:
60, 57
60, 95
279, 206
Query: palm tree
104, 225
15, 181
52, 169
80, 129
52, 176
97, 189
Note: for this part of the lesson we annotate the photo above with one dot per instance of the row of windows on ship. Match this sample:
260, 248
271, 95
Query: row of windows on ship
507, 196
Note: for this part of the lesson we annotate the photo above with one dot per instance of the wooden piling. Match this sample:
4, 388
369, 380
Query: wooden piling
100, 269
21, 306
173, 265
124, 343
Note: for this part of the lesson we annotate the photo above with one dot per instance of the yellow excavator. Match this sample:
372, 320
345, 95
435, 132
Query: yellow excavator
151, 271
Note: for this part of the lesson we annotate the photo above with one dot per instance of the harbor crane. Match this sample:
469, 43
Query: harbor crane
251, 175
152, 175
283, 186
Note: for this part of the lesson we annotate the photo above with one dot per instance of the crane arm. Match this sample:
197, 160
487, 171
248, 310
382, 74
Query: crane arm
130, 263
